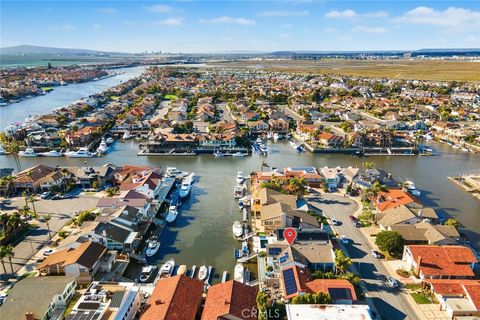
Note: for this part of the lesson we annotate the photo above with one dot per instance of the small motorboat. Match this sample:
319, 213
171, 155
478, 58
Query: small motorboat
276, 137
81, 153
153, 246
109, 140
239, 273
239, 191
28, 153
172, 214
182, 269
166, 269
173, 172
187, 185
102, 148
126, 135
240, 178
51, 153
237, 228
410, 186
203, 273
239, 154
218, 154
147, 272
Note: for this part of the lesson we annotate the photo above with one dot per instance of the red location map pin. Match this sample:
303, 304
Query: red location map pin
290, 234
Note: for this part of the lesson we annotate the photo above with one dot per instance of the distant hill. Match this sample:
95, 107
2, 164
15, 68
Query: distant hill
31, 50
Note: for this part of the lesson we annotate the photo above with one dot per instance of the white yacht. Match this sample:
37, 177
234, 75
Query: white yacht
276, 137
239, 154
187, 185
147, 272
240, 178
237, 228
218, 154
81, 153
410, 186
173, 172
153, 246
51, 153
110, 140
239, 192
172, 214
239, 273
102, 148
28, 153
167, 268
203, 273
126, 135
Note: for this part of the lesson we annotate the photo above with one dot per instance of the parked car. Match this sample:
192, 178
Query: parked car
3, 297
344, 239
57, 197
48, 252
376, 254
334, 222
392, 282
46, 195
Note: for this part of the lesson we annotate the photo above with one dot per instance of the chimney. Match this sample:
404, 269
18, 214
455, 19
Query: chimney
29, 316
158, 301
419, 261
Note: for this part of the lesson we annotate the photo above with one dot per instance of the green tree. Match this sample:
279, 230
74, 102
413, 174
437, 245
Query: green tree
262, 306
110, 192
8, 253
342, 262
368, 165
46, 218
390, 241
452, 222
2, 258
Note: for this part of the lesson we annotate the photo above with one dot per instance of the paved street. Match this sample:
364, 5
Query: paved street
389, 302
61, 212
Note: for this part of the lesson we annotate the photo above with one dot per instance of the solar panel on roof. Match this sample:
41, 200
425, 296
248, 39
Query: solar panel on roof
340, 293
84, 315
290, 283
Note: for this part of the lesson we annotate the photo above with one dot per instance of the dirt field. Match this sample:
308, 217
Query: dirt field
401, 69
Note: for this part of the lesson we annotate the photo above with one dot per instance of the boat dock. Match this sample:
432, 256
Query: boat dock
248, 257
192, 273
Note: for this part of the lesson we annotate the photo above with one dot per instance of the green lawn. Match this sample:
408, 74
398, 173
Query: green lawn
171, 97
420, 298
413, 286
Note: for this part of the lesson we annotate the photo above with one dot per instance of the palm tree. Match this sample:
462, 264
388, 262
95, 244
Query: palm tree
32, 201
25, 197
2, 257
14, 222
47, 218
8, 253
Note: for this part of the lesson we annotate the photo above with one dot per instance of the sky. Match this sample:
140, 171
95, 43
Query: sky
227, 26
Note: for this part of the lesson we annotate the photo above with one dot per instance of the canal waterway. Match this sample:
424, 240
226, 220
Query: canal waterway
202, 233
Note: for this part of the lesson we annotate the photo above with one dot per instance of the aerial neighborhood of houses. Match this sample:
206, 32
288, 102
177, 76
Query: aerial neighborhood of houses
101, 225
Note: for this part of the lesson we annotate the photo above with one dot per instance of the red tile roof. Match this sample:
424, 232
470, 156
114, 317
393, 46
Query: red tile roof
444, 260
394, 198
175, 298
230, 298
322, 285
457, 287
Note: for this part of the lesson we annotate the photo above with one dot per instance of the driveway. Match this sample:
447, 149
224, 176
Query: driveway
390, 303
61, 212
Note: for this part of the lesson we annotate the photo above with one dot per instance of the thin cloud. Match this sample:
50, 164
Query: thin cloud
228, 20
171, 22
106, 10
341, 14
350, 14
96, 26
330, 30
284, 35
283, 13
159, 8
370, 29
450, 17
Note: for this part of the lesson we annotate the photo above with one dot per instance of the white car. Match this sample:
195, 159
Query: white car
393, 282
344, 239
376, 254
48, 252
3, 297
334, 222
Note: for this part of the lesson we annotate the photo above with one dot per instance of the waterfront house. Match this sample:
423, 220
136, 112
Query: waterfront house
293, 280
129, 198
426, 233
396, 215
37, 178
329, 140
331, 177
88, 177
145, 182
174, 298
172, 141
355, 139
258, 126
231, 300
115, 237
82, 262
82, 136
211, 141
108, 300
440, 262
341, 291
39, 298
393, 198
310, 175
279, 125
367, 178
457, 297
